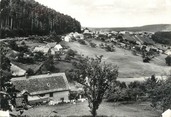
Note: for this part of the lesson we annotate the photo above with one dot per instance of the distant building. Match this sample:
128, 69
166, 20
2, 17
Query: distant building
41, 88
168, 52
58, 47
43, 49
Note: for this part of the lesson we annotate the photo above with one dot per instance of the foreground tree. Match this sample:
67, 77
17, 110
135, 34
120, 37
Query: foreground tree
96, 77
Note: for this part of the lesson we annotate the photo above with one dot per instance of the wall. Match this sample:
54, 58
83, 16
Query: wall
58, 95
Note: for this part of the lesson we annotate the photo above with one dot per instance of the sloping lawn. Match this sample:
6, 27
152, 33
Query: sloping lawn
129, 65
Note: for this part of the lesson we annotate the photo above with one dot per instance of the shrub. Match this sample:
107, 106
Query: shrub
168, 60
110, 48
30, 72
71, 53
81, 41
93, 45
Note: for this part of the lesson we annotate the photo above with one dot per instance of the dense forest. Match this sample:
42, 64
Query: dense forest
28, 17
162, 37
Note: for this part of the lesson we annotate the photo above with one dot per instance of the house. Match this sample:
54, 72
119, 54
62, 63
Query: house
43, 49
168, 52
67, 38
43, 87
4, 113
58, 47
51, 45
17, 71
167, 113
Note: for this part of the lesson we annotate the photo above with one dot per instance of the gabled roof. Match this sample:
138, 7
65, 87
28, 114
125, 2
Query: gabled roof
40, 84
129, 38
51, 45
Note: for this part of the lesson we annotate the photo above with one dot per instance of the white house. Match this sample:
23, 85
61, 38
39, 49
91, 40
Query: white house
58, 47
168, 52
4, 113
167, 113
43, 49
42, 88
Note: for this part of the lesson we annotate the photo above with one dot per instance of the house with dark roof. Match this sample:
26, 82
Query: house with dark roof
41, 88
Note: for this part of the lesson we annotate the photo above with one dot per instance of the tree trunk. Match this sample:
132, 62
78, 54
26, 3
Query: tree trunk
94, 112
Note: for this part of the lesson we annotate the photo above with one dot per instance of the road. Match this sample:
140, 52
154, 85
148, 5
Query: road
17, 38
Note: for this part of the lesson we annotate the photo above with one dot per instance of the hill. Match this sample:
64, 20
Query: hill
129, 64
28, 17
150, 28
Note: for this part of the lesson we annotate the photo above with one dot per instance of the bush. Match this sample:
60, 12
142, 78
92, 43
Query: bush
71, 53
168, 60
81, 41
110, 48
30, 72
93, 45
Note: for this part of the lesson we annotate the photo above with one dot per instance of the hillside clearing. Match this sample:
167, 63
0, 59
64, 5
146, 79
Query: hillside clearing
129, 65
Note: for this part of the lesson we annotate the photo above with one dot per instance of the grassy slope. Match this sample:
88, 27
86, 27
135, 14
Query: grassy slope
129, 65
109, 109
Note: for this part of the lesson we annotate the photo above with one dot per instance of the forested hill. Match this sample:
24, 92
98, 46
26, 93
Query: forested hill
151, 28
28, 17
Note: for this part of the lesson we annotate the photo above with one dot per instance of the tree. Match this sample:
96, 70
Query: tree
168, 60
49, 64
71, 53
30, 72
96, 77
5, 76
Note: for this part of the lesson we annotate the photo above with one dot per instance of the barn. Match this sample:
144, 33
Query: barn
41, 88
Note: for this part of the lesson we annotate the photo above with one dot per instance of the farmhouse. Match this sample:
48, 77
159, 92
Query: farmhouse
41, 88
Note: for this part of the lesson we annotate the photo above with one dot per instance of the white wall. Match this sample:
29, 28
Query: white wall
56, 96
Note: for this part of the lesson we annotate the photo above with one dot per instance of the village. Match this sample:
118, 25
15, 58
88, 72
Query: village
85, 58
39, 83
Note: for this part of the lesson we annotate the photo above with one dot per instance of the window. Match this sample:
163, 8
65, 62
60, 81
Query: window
42, 95
51, 94
62, 99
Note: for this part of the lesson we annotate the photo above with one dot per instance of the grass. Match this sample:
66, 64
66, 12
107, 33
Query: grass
106, 109
129, 65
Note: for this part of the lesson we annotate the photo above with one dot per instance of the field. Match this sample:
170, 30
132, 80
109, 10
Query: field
109, 109
129, 64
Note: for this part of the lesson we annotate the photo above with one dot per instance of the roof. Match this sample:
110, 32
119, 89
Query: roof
129, 38
43, 49
51, 45
58, 46
40, 84
17, 71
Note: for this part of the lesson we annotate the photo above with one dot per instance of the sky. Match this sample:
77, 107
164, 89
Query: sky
114, 13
